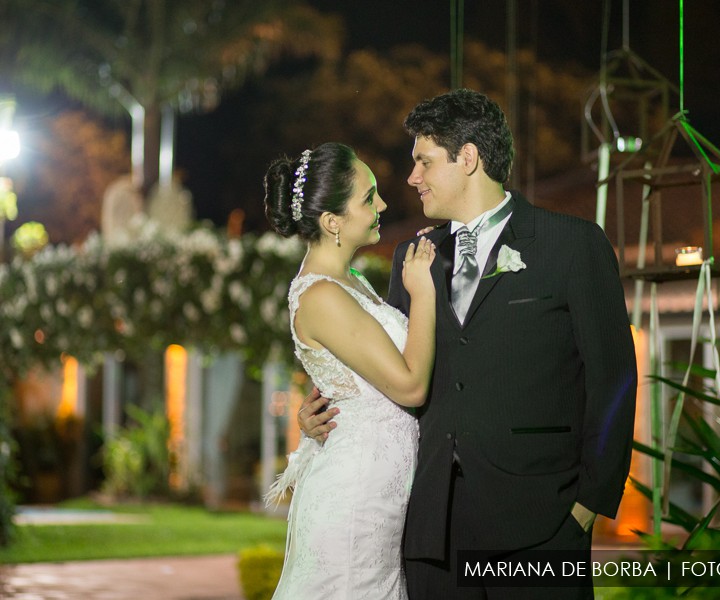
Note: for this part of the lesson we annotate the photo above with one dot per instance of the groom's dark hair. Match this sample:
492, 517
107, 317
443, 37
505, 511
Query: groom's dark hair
465, 116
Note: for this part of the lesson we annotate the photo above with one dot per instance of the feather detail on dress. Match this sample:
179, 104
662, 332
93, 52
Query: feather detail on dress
295, 472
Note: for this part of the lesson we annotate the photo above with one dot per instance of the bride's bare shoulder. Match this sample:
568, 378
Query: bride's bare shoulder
324, 292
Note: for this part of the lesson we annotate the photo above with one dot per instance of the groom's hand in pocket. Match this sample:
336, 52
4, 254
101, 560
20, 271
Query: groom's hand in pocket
584, 516
313, 419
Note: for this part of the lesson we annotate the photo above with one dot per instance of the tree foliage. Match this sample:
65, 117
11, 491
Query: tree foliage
151, 53
363, 99
180, 52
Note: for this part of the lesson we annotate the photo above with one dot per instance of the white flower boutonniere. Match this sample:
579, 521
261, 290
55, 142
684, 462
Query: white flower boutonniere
508, 260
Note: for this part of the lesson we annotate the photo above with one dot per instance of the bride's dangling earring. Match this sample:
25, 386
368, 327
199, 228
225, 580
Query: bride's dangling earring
337, 238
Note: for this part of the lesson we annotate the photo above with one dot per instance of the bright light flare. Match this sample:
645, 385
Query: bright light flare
9, 145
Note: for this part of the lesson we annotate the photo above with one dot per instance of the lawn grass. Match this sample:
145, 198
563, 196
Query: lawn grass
165, 530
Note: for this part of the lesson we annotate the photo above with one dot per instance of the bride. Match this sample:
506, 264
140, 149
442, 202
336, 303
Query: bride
350, 494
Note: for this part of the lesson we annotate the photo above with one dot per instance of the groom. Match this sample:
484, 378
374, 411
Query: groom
526, 434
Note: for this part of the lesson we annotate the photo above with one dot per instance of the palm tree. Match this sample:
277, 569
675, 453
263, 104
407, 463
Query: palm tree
154, 58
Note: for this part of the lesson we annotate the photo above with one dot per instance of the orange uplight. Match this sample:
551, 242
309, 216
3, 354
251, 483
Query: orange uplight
634, 509
69, 395
175, 398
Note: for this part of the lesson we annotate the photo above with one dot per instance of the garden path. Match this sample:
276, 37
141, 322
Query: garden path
173, 578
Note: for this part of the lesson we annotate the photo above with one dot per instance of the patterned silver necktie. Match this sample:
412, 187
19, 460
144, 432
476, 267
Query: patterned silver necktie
464, 282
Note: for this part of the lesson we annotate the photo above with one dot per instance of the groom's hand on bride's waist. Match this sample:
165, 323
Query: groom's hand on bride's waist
314, 421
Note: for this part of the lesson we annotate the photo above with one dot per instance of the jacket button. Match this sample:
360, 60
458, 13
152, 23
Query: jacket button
464, 340
459, 386
449, 436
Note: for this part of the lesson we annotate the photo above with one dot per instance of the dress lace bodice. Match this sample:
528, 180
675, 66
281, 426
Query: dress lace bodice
333, 378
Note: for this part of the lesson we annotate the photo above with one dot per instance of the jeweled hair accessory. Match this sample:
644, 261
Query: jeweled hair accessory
297, 197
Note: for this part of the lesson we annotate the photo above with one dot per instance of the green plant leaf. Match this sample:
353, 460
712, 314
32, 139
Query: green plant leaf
706, 434
698, 370
652, 541
699, 531
682, 466
693, 449
677, 515
693, 393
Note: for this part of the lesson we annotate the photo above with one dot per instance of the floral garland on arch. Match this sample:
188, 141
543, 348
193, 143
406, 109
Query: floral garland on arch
152, 289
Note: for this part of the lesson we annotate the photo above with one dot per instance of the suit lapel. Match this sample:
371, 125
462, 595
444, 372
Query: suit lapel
441, 269
446, 253
518, 233
507, 237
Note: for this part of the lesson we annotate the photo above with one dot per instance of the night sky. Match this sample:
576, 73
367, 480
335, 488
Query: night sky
567, 32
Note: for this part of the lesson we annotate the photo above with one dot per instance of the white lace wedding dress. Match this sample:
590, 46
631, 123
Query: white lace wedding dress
347, 514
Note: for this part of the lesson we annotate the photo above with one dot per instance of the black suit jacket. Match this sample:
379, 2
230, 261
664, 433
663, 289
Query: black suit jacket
535, 392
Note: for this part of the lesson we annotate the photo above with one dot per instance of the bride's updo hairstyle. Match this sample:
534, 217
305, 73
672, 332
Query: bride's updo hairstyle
329, 176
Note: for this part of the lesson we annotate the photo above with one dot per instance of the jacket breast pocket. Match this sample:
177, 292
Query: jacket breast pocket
528, 300
533, 430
